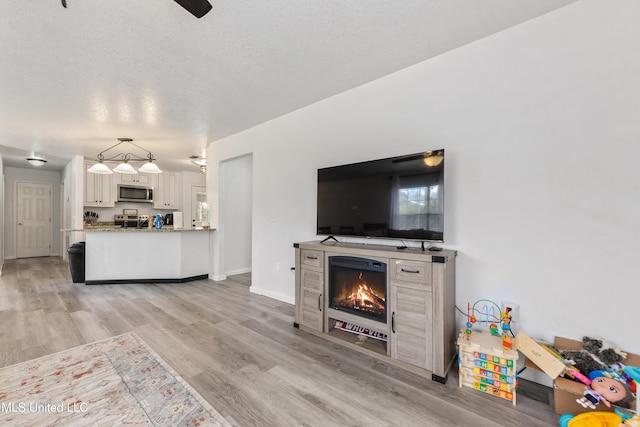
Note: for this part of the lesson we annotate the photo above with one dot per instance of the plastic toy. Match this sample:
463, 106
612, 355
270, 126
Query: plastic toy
629, 418
634, 421
591, 419
608, 388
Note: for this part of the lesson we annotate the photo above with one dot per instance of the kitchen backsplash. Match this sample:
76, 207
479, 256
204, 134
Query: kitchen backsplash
107, 214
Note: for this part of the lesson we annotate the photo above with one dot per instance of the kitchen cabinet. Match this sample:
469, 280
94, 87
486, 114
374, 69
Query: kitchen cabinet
150, 179
133, 255
98, 189
167, 191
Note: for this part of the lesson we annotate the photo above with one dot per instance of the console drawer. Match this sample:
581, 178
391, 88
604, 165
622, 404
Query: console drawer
312, 258
411, 271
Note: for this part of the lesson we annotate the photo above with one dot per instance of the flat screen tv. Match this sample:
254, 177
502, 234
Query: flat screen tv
397, 198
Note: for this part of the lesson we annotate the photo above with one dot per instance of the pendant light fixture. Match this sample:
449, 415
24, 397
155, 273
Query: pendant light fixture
124, 166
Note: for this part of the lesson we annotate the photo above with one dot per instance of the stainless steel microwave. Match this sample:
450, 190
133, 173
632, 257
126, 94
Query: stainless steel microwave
135, 193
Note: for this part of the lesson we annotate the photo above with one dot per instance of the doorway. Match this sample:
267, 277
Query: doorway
236, 209
33, 219
199, 206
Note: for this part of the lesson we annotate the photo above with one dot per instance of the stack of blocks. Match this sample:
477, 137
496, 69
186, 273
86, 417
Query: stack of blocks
485, 365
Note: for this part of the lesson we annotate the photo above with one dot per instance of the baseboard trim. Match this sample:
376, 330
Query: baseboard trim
270, 294
239, 271
145, 281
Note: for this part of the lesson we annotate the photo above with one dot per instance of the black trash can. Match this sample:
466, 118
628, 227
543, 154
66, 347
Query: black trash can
76, 262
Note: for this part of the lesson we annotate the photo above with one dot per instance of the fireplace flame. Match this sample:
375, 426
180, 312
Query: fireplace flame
364, 298
353, 293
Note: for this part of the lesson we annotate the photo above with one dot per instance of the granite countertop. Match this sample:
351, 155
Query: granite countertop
165, 229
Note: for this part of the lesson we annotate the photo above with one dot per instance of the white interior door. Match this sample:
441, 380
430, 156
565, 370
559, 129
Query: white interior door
199, 206
33, 219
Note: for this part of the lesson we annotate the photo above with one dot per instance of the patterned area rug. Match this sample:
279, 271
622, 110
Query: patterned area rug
117, 381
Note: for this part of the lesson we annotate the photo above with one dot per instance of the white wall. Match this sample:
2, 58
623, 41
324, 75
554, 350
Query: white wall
33, 175
540, 128
236, 209
73, 178
2, 203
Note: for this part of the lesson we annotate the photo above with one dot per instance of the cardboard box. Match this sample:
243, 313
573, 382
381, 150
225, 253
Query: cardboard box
538, 356
566, 390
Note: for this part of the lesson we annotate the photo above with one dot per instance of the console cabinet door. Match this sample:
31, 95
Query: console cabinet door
411, 317
312, 285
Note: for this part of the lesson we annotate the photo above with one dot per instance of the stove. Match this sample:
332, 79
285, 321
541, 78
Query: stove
137, 221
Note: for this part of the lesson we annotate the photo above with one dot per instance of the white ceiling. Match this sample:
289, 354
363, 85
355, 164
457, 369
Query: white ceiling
74, 80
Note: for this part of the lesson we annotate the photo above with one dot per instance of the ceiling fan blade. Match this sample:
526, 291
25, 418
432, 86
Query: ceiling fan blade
64, 3
197, 8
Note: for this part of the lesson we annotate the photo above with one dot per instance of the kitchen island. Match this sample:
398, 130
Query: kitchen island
146, 255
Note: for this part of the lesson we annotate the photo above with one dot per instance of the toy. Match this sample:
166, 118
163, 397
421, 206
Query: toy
606, 387
488, 314
485, 366
631, 422
592, 357
505, 323
591, 419
630, 419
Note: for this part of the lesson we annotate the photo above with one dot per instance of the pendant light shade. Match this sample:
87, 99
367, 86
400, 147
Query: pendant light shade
125, 168
100, 168
149, 167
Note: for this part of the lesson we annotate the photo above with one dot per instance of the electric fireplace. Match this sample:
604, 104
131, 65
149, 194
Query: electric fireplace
358, 286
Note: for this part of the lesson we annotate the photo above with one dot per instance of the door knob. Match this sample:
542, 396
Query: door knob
19, 223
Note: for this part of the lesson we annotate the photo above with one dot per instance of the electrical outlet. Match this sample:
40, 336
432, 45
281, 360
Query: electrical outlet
515, 310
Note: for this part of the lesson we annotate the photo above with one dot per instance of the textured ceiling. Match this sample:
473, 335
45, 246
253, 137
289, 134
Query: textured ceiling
74, 80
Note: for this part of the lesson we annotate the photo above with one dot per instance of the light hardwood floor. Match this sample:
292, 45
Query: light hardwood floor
240, 351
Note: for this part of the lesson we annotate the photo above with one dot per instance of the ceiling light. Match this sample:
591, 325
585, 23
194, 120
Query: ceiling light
200, 162
203, 169
433, 158
125, 168
100, 168
124, 159
149, 167
36, 161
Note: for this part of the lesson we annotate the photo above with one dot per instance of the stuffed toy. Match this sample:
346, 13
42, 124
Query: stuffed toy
593, 357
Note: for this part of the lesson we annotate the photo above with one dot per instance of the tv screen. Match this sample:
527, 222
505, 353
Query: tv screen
398, 197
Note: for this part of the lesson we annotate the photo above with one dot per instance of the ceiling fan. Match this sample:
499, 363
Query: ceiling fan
197, 8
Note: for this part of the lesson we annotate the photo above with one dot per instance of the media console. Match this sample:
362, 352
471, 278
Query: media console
417, 330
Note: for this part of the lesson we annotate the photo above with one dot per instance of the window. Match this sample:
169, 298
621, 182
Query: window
419, 208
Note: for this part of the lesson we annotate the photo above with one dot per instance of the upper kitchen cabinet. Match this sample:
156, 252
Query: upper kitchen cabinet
167, 191
98, 189
149, 179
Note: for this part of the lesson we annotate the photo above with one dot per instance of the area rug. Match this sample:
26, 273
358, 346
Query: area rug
116, 381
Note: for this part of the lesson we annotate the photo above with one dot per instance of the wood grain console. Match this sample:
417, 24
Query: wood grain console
420, 315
